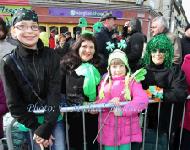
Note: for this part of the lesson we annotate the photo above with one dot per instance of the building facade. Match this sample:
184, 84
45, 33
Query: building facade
64, 14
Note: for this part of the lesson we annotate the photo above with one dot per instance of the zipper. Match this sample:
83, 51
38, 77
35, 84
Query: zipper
36, 73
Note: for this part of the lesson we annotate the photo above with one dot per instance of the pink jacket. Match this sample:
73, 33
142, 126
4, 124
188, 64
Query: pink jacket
186, 68
128, 126
3, 107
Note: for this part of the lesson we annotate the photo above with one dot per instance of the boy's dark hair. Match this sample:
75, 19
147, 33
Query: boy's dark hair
24, 14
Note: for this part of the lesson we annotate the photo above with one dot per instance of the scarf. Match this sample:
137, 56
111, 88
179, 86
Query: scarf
91, 79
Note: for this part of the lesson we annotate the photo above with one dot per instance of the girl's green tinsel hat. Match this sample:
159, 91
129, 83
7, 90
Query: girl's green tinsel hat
163, 43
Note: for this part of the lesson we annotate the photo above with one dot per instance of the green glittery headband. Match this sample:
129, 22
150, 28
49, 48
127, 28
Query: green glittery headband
159, 42
24, 14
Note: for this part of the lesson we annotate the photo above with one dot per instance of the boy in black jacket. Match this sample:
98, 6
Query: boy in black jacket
31, 78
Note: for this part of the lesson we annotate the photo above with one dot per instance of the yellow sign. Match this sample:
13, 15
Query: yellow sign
6, 11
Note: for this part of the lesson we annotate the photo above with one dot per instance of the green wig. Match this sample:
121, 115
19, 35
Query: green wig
162, 43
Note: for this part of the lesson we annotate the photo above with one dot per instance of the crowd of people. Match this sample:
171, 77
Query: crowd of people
48, 71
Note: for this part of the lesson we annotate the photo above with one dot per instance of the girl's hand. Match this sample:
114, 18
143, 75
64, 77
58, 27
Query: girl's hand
117, 109
115, 101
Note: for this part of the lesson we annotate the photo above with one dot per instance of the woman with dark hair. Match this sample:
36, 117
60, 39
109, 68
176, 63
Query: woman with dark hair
80, 79
3, 29
5, 47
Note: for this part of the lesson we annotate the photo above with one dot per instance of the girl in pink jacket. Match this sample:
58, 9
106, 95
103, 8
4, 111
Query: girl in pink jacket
120, 126
186, 131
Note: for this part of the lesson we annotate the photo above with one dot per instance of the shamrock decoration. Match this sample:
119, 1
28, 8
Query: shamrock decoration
155, 93
139, 75
122, 44
97, 26
110, 46
82, 22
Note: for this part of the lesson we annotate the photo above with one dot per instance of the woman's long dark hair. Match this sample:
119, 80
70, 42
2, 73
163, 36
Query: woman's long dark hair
72, 59
3, 28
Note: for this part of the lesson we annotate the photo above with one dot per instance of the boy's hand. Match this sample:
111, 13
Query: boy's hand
43, 142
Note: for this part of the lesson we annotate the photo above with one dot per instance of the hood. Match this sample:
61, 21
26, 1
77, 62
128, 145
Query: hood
135, 24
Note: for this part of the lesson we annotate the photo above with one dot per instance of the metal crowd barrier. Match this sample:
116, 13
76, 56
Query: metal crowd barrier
98, 107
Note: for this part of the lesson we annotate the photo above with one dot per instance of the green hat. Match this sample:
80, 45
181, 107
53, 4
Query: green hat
97, 26
164, 44
24, 14
119, 54
82, 22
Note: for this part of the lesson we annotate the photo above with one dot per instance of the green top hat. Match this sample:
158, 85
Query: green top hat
82, 22
97, 26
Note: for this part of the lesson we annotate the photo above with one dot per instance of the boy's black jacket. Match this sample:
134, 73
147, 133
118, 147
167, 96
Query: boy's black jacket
41, 67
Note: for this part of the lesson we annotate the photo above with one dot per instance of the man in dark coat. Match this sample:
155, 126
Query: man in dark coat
69, 39
105, 35
135, 43
185, 42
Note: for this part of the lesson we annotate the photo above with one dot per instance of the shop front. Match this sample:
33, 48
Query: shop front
67, 19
